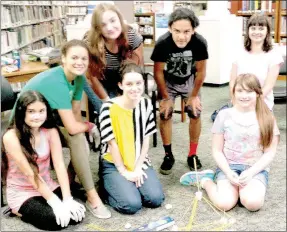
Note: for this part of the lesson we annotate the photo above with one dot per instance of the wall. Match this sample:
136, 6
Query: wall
127, 10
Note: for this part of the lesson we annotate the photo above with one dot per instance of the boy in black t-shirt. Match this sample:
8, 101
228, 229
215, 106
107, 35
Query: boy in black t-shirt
179, 56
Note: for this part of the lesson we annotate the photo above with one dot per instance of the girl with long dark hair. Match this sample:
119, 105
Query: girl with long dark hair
28, 144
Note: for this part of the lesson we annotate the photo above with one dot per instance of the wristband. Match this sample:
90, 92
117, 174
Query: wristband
90, 126
165, 99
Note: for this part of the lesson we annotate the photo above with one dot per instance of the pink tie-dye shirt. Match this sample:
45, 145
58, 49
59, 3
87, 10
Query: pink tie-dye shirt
241, 136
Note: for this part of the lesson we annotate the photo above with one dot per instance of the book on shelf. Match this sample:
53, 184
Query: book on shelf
75, 3
13, 16
77, 10
283, 25
40, 3
16, 38
249, 6
71, 20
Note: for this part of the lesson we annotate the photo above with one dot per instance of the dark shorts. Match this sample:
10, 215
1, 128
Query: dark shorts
179, 90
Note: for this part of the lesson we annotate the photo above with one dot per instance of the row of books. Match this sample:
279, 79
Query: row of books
76, 3
72, 20
77, 10
144, 20
16, 38
42, 3
12, 16
254, 5
51, 41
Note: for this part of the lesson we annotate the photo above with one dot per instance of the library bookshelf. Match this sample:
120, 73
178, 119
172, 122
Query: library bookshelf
29, 25
146, 22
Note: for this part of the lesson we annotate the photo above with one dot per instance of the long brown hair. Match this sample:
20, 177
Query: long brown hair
259, 20
264, 116
23, 131
96, 40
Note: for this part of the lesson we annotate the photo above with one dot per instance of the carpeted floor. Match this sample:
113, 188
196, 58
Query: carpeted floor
271, 217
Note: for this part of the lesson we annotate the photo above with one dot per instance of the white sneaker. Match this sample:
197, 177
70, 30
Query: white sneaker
100, 212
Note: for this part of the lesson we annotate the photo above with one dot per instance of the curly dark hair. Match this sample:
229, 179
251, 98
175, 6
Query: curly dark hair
183, 13
259, 20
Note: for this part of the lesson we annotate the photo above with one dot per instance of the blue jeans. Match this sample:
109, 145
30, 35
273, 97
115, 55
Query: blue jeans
123, 195
238, 168
93, 98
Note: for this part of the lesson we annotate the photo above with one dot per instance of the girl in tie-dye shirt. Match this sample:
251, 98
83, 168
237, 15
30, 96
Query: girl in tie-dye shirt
245, 139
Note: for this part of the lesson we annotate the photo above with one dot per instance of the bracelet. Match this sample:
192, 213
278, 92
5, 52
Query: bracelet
165, 99
90, 126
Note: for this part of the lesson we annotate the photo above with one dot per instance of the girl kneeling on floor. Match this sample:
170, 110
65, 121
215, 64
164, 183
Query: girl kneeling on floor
245, 139
29, 143
126, 122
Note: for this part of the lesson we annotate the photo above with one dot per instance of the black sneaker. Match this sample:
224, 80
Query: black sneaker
166, 165
190, 162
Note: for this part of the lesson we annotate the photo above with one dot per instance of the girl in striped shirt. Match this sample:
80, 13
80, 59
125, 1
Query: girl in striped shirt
110, 41
29, 143
126, 122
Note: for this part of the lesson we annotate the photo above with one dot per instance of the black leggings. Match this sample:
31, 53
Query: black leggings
37, 212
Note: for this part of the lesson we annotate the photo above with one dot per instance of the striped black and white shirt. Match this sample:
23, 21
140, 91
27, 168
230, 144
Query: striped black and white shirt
127, 127
113, 60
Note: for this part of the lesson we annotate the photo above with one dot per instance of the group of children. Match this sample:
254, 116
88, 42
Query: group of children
47, 116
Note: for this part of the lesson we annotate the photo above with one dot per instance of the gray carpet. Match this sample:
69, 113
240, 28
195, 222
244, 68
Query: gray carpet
271, 217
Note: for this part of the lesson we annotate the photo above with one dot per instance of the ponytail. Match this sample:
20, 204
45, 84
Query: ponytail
264, 116
266, 122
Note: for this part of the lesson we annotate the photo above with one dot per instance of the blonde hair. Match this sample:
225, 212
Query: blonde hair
264, 115
96, 40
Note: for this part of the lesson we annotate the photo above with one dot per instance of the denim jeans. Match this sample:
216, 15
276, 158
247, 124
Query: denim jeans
239, 168
93, 98
123, 195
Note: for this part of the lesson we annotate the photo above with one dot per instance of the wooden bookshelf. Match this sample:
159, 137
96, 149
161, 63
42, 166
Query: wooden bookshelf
146, 22
281, 26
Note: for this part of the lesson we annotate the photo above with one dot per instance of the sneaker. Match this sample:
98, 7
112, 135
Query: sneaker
167, 165
190, 162
189, 178
100, 212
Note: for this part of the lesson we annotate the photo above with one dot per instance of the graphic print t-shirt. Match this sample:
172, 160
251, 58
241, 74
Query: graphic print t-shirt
180, 62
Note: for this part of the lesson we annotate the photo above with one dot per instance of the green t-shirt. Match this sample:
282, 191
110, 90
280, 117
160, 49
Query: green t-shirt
54, 86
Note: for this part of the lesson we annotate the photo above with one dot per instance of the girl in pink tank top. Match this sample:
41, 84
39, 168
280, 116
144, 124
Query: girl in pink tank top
30, 142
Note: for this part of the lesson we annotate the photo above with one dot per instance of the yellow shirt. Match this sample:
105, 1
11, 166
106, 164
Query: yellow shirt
123, 130
128, 127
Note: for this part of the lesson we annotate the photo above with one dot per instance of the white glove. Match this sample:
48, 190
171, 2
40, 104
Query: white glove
62, 213
77, 210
